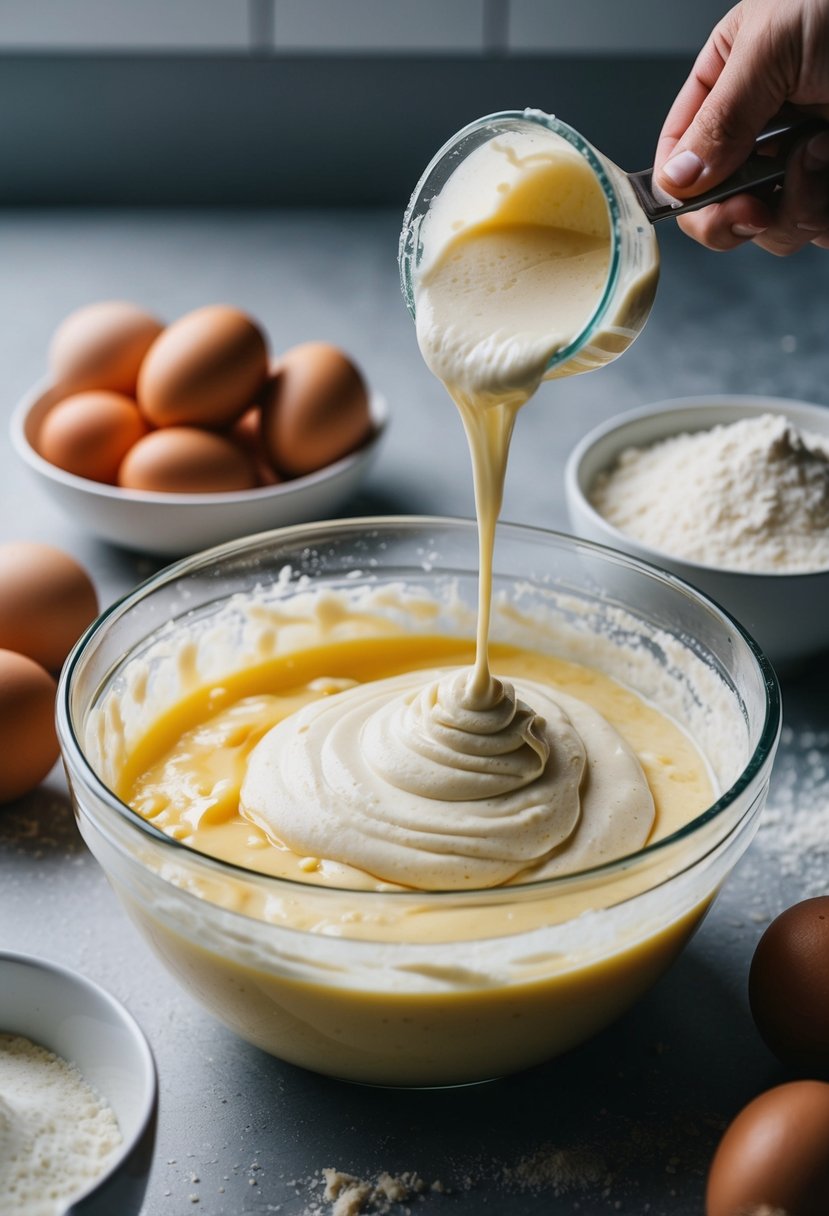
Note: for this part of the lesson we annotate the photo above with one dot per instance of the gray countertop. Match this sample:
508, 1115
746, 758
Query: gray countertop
626, 1123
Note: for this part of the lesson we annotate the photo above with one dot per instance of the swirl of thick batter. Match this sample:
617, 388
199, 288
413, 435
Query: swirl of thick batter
419, 781
443, 739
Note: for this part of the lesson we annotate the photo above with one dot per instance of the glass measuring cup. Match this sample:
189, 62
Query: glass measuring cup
623, 307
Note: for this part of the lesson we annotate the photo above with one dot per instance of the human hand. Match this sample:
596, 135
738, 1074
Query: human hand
762, 55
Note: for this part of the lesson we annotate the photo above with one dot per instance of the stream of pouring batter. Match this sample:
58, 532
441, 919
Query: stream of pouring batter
455, 778
488, 433
515, 257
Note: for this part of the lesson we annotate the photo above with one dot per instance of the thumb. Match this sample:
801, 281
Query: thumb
713, 128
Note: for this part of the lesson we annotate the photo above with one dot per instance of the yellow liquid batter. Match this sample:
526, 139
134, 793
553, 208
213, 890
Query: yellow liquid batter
426, 1021
461, 1027
185, 775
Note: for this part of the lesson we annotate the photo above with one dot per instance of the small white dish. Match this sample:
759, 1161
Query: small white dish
177, 524
787, 614
76, 1019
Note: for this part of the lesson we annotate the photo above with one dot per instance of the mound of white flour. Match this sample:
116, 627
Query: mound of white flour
56, 1135
753, 495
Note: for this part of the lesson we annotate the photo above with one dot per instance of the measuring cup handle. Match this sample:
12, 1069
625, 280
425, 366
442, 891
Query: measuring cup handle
758, 170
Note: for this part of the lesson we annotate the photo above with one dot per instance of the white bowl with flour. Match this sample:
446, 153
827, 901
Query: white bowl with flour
72, 1063
670, 509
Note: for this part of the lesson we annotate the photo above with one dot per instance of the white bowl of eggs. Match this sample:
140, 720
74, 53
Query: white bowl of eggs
169, 439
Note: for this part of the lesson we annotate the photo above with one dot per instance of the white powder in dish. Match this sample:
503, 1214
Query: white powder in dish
752, 495
56, 1135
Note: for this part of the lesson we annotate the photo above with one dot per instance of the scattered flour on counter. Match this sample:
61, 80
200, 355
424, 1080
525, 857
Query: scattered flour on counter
346, 1195
603, 1174
794, 826
558, 1171
56, 1134
752, 495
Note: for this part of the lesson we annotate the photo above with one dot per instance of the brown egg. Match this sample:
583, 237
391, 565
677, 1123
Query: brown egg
247, 432
27, 724
204, 370
102, 346
788, 985
775, 1155
46, 602
186, 460
314, 409
89, 434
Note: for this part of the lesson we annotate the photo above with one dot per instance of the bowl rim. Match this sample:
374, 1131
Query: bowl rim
752, 404
75, 756
378, 409
149, 1069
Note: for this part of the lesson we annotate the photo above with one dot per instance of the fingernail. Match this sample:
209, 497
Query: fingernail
746, 230
812, 227
683, 169
816, 153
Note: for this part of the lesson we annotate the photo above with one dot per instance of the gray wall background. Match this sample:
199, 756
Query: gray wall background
312, 102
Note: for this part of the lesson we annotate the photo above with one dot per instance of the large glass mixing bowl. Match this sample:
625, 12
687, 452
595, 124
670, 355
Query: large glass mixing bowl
402, 987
